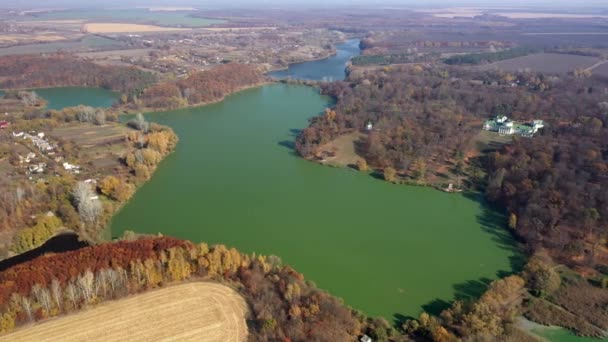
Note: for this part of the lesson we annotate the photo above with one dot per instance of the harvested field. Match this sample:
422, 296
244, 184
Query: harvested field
554, 63
102, 146
13, 38
116, 53
253, 28
88, 135
545, 15
121, 27
197, 311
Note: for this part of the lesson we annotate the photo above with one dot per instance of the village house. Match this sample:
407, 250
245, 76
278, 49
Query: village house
71, 168
37, 139
504, 126
365, 338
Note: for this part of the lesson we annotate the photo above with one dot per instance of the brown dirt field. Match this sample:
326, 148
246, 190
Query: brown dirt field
89, 134
538, 15
543, 62
222, 29
121, 27
196, 311
36, 37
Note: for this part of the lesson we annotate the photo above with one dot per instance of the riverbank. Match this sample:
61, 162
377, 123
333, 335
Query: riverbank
329, 55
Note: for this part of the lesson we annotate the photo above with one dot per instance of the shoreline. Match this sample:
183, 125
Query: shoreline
378, 172
147, 110
333, 53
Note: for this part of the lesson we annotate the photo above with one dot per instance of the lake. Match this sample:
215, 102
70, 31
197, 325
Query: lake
63, 97
386, 249
234, 179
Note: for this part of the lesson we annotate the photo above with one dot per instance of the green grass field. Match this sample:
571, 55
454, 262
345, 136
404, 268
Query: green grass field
139, 16
88, 42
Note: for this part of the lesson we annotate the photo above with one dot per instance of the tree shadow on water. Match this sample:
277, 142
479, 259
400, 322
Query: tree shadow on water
494, 222
294, 132
291, 144
435, 306
466, 291
399, 319
471, 289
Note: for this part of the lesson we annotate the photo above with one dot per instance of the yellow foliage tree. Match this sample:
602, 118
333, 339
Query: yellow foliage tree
390, 174
108, 184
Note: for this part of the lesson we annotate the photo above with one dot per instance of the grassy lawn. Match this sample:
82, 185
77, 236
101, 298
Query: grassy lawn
344, 148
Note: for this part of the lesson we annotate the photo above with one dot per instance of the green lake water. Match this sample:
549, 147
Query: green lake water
63, 97
234, 179
386, 249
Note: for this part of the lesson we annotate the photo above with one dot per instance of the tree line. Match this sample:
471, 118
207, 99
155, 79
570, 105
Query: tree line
283, 306
31, 71
201, 87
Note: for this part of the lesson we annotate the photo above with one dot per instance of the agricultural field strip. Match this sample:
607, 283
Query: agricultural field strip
216, 312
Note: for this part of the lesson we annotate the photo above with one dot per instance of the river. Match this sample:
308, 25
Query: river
386, 249
330, 69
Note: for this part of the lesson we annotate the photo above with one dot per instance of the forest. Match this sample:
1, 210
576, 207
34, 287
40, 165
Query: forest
201, 87
426, 116
552, 185
283, 306
31, 71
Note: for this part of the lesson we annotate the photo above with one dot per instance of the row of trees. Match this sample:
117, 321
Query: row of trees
489, 57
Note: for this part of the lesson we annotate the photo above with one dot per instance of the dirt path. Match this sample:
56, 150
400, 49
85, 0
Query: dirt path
197, 311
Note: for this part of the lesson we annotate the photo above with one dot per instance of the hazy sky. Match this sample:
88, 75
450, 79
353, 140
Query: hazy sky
551, 4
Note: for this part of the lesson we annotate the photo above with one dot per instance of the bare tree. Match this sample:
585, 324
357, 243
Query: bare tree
27, 307
85, 285
90, 210
20, 193
43, 297
29, 98
140, 123
56, 293
100, 117
82, 191
89, 207
71, 291
86, 114
101, 283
